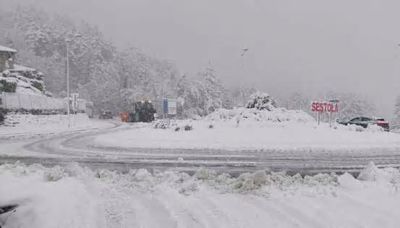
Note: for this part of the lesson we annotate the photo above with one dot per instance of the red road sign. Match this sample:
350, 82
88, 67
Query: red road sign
324, 107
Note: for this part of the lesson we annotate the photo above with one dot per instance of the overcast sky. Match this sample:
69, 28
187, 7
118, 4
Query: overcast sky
307, 45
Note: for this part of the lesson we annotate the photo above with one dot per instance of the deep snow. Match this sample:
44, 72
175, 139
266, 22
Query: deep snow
20, 126
249, 129
77, 197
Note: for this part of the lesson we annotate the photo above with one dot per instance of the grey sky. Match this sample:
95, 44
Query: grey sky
308, 45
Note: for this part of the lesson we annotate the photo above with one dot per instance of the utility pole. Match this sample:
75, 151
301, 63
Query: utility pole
68, 89
67, 41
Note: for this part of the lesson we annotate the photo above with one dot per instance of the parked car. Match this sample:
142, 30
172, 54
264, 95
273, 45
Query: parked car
366, 121
106, 115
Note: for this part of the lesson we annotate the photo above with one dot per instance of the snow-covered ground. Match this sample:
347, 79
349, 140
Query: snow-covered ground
22, 126
77, 197
245, 129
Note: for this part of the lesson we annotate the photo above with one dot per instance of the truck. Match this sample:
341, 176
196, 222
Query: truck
142, 111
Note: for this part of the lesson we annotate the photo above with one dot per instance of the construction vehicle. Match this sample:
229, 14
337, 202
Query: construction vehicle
142, 111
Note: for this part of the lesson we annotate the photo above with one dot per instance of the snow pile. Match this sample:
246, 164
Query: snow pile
72, 196
355, 128
65, 202
373, 173
260, 110
250, 129
27, 125
277, 115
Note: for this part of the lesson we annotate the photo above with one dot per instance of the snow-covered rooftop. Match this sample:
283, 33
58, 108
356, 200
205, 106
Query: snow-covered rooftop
6, 49
22, 68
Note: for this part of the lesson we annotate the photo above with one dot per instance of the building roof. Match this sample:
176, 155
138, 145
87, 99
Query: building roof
6, 49
22, 68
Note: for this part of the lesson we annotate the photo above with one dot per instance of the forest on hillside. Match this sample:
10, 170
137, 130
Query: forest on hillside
114, 79
100, 72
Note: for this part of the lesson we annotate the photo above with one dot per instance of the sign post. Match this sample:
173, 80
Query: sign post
169, 107
325, 107
172, 107
75, 101
165, 107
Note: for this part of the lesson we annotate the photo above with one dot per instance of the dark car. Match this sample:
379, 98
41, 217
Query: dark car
106, 115
366, 121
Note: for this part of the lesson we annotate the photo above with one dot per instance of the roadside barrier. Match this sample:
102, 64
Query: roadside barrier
29, 102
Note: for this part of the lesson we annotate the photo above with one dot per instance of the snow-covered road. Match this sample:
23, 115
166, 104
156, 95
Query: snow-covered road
79, 146
228, 188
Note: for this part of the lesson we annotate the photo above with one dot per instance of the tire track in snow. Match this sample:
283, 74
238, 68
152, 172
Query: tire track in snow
79, 147
177, 206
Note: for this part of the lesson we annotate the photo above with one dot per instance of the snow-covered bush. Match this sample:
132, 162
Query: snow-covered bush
251, 181
54, 174
162, 124
7, 86
188, 127
2, 116
372, 173
277, 115
261, 101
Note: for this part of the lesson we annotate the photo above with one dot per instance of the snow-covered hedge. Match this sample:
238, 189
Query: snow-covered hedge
255, 115
7, 86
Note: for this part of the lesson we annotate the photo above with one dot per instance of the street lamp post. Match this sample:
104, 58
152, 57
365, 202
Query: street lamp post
68, 89
67, 41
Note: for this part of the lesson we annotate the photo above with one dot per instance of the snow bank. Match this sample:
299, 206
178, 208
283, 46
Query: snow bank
252, 129
43, 202
77, 197
244, 115
20, 125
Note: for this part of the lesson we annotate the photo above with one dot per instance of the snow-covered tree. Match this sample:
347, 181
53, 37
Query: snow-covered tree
240, 95
192, 93
397, 109
298, 101
202, 94
214, 90
352, 105
261, 101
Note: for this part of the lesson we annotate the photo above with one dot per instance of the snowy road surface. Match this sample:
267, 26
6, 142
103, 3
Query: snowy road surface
220, 194
80, 146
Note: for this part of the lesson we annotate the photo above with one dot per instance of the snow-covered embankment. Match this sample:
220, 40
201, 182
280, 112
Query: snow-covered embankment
77, 197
